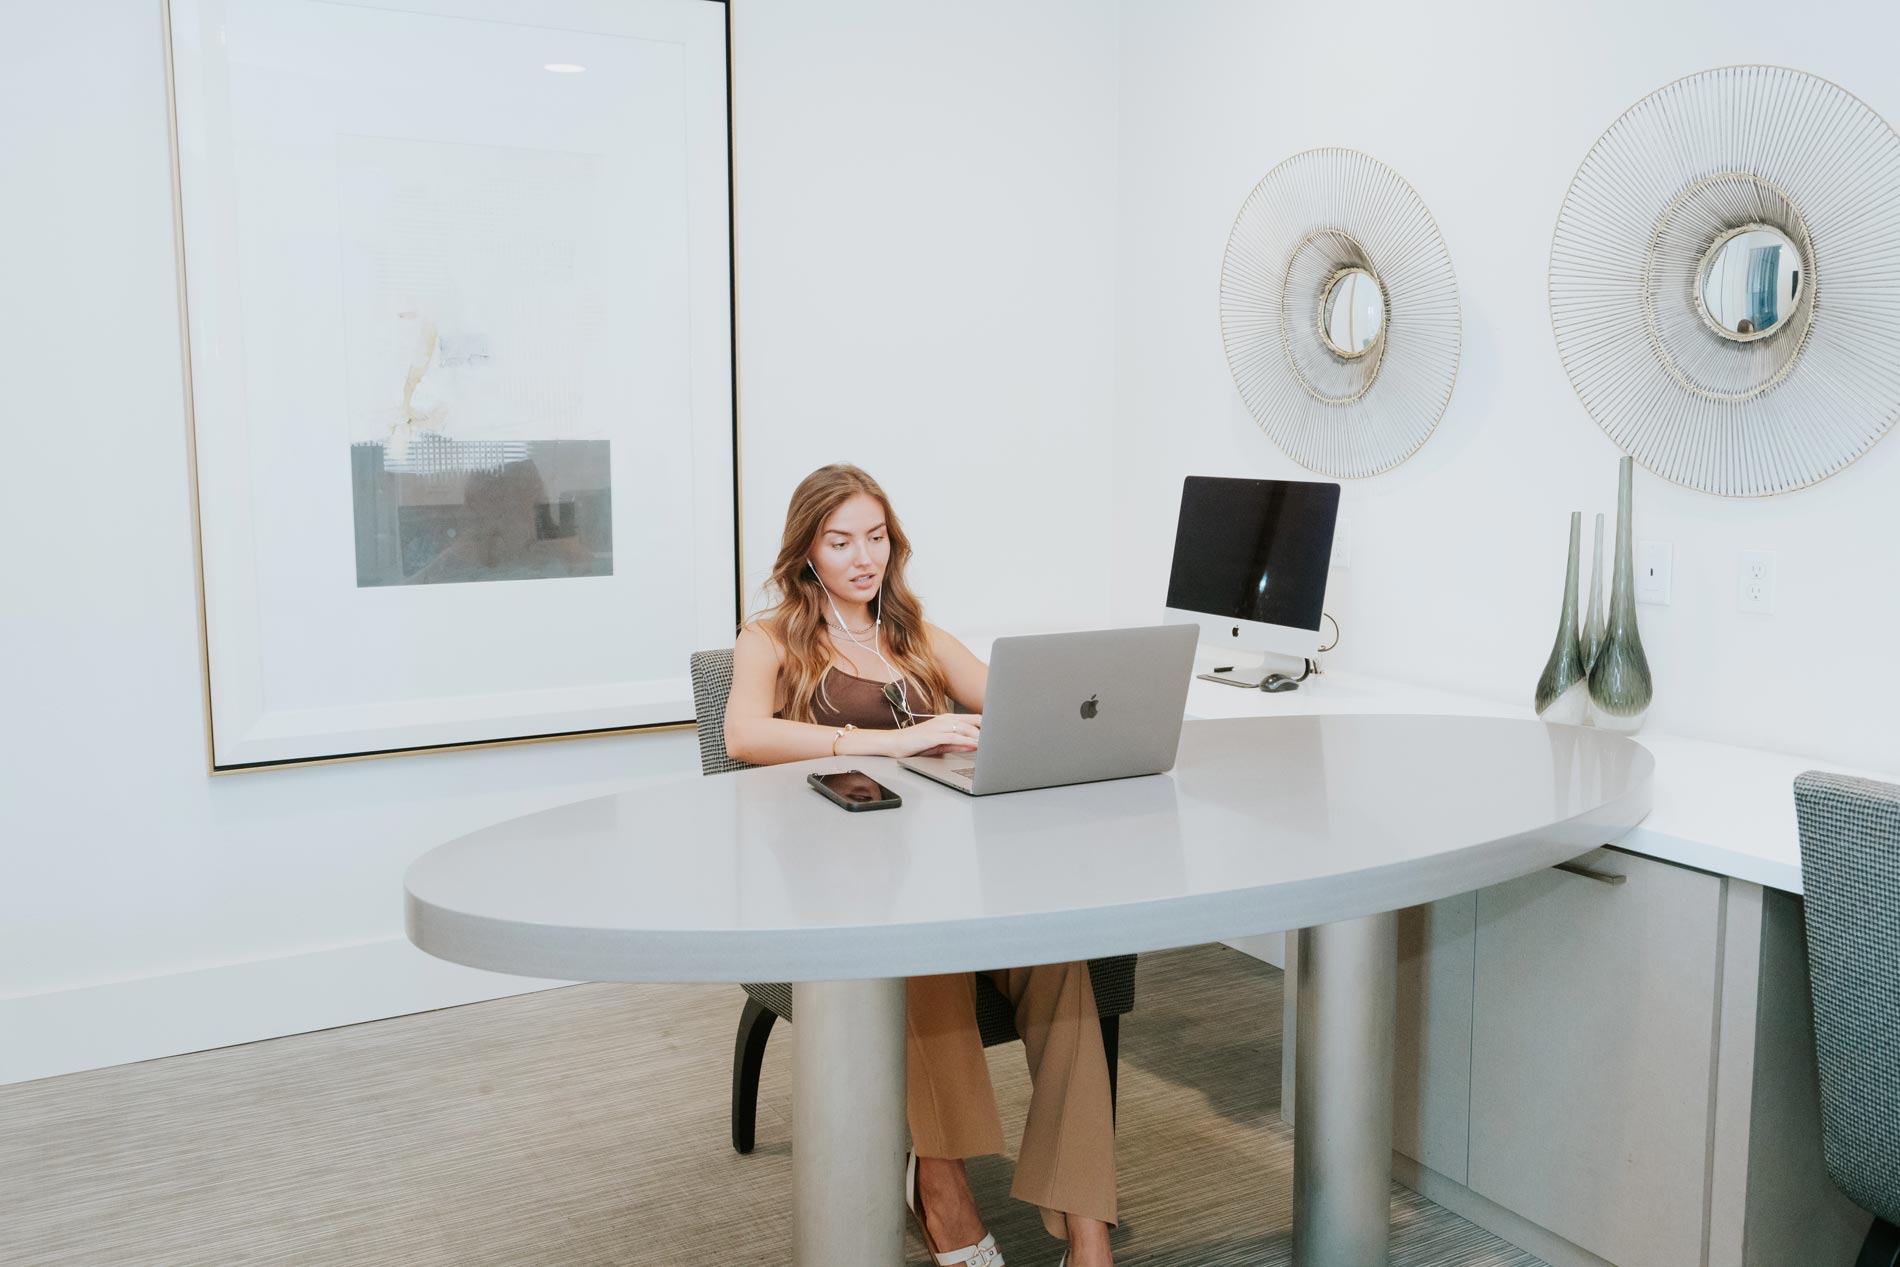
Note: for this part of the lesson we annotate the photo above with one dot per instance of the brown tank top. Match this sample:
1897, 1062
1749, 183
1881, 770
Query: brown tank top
844, 699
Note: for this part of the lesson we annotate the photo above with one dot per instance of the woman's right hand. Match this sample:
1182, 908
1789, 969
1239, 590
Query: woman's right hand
954, 732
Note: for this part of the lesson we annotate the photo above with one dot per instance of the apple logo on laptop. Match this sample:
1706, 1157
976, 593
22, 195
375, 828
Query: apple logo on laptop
1088, 708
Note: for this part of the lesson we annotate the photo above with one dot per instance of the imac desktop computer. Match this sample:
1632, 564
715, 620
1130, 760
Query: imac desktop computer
1250, 564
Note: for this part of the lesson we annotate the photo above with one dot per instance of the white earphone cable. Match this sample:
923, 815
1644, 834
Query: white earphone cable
902, 699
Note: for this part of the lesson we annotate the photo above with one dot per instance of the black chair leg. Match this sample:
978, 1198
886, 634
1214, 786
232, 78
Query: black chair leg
1882, 1247
748, 1056
1111, 1047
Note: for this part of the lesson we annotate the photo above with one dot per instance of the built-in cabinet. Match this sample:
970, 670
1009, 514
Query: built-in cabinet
1606, 1065
1593, 1054
1431, 1085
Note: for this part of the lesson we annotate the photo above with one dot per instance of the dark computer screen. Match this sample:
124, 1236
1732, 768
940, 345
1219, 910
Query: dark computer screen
1254, 549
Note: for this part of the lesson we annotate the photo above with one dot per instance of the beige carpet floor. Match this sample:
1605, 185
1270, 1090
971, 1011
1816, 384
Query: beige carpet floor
587, 1126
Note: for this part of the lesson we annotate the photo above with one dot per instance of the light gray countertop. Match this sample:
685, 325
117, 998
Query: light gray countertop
1264, 824
1717, 807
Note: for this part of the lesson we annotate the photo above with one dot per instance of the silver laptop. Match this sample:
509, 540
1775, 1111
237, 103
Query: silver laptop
1075, 708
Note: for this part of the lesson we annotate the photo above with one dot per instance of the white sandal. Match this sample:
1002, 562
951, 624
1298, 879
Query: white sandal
982, 1254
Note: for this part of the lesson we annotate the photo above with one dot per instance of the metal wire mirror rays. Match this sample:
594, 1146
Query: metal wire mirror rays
1801, 164
1316, 216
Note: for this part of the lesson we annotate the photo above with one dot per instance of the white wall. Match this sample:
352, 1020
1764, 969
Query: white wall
925, 200
1487, 107
978, 251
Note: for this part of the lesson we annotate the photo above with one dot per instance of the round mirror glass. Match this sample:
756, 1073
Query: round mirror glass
1352, 312
1750, 281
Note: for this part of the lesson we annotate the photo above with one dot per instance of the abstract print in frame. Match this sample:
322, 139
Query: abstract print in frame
458, 291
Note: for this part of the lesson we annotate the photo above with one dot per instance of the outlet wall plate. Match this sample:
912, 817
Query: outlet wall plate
1342, 544
1655, 565
1755, 581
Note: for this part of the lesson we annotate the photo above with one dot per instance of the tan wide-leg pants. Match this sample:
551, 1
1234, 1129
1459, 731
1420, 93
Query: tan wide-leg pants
1067, 1162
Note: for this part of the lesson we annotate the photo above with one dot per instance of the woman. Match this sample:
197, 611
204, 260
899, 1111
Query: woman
845, 665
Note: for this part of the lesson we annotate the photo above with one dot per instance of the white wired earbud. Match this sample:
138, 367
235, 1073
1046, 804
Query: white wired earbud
894, 691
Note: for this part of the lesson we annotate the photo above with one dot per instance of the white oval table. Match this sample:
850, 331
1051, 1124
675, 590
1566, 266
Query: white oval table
1324, 824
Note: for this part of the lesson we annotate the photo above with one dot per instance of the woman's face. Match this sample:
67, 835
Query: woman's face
853, 549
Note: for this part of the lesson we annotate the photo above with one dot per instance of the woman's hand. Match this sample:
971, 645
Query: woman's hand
954, 733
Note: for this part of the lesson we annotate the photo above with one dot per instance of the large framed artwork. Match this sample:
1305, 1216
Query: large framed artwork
458, 281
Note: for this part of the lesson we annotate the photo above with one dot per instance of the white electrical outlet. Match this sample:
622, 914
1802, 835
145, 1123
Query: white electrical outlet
1755, 581
1342, 544
1654, 563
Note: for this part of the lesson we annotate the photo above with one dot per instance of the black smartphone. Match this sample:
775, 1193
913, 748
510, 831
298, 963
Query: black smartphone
855, 790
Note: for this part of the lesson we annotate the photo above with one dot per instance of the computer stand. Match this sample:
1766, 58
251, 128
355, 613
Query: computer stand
1227, 677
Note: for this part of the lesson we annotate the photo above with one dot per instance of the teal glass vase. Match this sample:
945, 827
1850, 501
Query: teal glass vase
1620, 685
1593, 611
1563, 690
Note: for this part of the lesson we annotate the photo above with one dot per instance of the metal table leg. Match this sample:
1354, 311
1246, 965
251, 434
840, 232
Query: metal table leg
848, 1128
1342, 1143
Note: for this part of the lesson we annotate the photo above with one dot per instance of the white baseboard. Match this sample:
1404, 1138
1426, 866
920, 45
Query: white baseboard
1268, 946
92, 1027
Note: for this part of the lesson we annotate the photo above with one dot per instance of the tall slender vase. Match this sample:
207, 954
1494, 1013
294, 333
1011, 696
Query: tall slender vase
1593, 614
1563, 690
1620, 685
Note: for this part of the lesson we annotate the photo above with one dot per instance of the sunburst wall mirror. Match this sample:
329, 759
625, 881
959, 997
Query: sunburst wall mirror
1722, 279
1339, 312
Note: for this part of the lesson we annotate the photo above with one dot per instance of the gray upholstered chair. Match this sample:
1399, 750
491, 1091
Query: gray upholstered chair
1114, 978
1850, 881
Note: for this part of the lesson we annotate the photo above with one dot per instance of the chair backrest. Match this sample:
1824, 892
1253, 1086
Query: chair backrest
1850, 880
712, 682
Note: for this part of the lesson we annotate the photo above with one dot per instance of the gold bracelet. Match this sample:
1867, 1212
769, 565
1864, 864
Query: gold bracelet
848, 726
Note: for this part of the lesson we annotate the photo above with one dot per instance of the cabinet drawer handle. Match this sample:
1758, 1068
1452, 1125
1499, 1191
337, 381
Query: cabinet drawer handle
1601, 877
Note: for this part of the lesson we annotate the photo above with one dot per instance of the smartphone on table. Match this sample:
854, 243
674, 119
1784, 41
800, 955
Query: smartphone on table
854, 790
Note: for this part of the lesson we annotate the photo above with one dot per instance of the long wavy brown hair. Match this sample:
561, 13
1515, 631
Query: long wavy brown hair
796, 621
